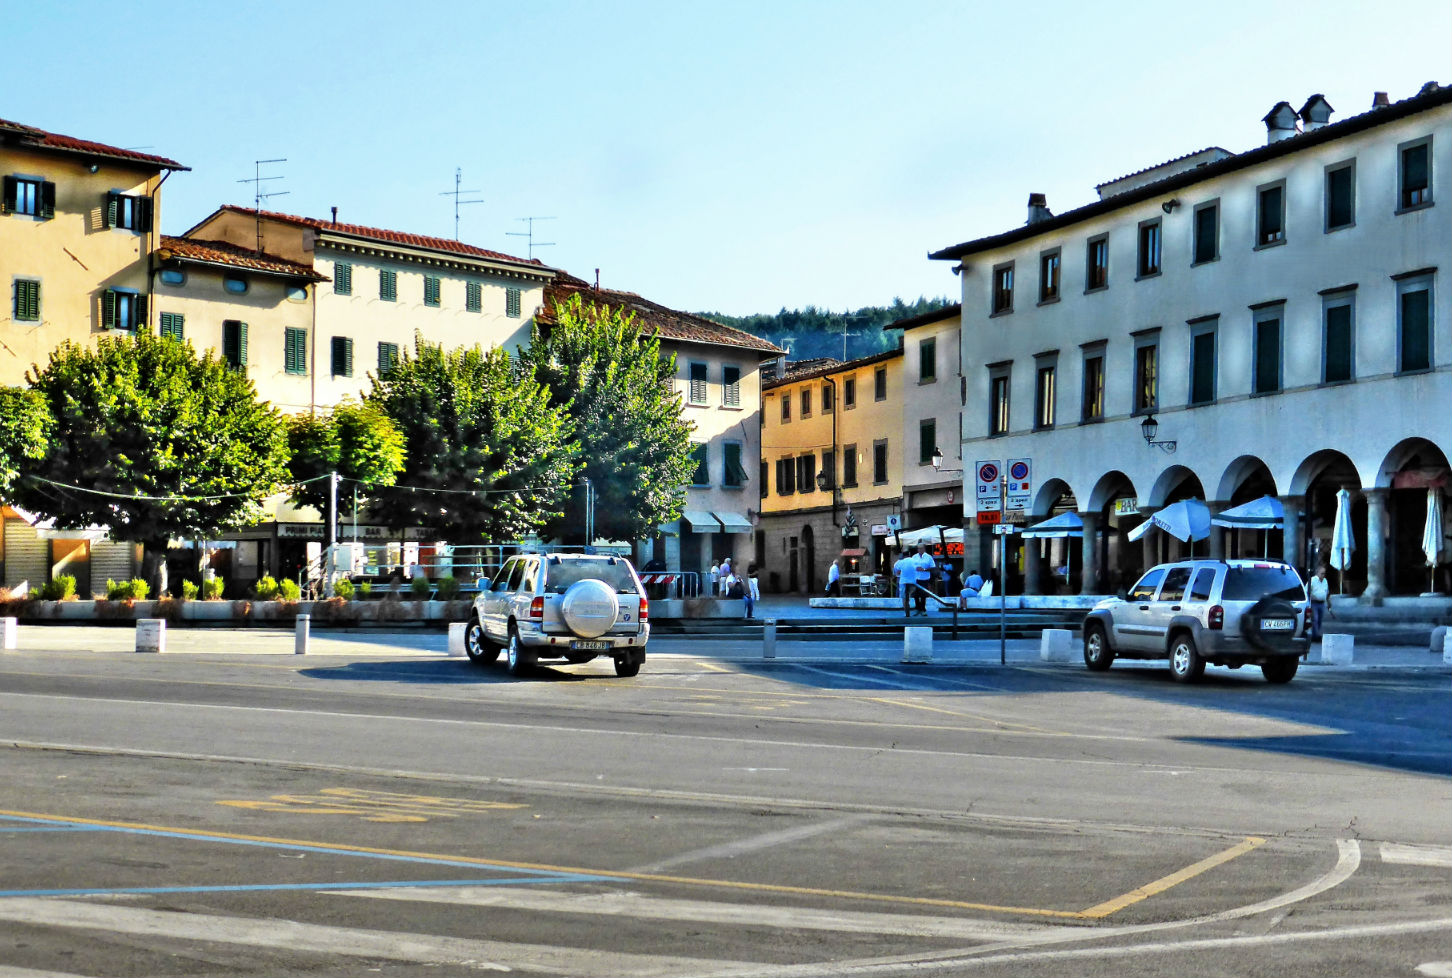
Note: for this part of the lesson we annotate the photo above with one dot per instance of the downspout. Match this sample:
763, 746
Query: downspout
152, 239
836, 462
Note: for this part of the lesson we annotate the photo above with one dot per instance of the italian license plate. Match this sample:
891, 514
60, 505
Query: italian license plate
590, 646
1278, 624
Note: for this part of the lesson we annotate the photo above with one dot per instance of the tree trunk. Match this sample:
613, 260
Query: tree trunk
153, 567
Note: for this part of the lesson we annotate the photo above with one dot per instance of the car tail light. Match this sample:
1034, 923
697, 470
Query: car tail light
644, 609
1306, 620
1216, 618
536, 609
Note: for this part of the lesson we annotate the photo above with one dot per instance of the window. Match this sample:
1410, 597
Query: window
342, 278
765, 472
1338, 319
1175, 582
1200, 590
387, 358
927, 440
829, 469
1049, 276
697, 394
234, 344
806, 473
731, 386
511, 303
1203, 338
1415, 174
786, 476
1096, 264
701, 455
297, 293
387, 285
1340, 195
1207, 233
1149, 248
235, 284
432, 288
735, 475
1146, 373
172, 325
122, 309
1144, 590
295, 350
26, 307
879, 384
786, 406
1093, 408
849, 393
30, 195
879, 462
473, 297
998, 401
1266, 367
1270, 215
173, 276
342, 359
806, 395
1002, 289
849, 465
928, 360
1046, 392
829, 398
1414, 324
126, 211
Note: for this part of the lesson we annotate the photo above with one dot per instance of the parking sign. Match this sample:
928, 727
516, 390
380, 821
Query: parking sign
1020, 485
987, 474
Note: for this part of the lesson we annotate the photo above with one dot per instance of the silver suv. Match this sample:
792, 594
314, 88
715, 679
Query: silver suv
571, 607
1225, 612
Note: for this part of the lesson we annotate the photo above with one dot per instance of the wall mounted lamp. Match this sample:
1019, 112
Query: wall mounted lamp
1170, 204
1149, 427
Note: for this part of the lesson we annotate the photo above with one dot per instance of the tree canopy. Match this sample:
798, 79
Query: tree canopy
356, 440
24, 420
811, 332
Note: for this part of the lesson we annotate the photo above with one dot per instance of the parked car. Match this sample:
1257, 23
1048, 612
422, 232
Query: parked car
570, 607
1225, 612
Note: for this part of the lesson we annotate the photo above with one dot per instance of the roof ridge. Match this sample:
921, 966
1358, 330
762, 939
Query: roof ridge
44, 139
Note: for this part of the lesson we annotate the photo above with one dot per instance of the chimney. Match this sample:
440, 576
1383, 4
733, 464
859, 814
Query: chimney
1315, 113
597, 280
1379, 100
1038, 208
335, 215
1281, 122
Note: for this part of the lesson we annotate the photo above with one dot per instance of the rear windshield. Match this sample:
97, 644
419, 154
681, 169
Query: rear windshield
1254, 583
615, 573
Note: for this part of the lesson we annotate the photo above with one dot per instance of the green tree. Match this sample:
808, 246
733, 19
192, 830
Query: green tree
358, 441
487, 459
152, 443
612, 382
24, 420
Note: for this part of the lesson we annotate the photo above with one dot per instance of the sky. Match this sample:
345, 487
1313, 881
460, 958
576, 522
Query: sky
737, 157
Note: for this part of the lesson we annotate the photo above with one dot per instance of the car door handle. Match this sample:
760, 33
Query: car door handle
1174, 607
1144, 607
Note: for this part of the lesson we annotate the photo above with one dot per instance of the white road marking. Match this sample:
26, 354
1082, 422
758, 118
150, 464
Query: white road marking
8, 972
764, 841
1436, 969
1416, 855
856, 677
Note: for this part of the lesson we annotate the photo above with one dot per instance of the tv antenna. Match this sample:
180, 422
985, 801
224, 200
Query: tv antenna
533, 244
456, 193
848, 319
257, 180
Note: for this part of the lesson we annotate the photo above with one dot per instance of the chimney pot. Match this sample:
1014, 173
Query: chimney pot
1281, 122
1379, 100
1038, 208
335, 215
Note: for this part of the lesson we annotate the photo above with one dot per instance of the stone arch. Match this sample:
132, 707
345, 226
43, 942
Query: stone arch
1327, 463
1172, 486
1245, 470
1109, 486
1421, 455
1407, 473
1049, 495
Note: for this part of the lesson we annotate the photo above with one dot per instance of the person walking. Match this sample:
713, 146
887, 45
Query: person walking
927, 567
905, 570
753, 591
834, 581
713, 576
1319, 591
725, 573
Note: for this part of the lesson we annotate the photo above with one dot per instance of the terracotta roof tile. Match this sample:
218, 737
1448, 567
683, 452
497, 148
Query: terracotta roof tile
233, 256
816, 368
31, 137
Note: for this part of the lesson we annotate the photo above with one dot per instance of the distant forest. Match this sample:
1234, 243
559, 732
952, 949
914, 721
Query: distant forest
811, 332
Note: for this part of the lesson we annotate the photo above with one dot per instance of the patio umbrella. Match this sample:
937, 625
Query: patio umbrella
1264, 514
1343, 544
1062, 526
1432, 536
1188, 519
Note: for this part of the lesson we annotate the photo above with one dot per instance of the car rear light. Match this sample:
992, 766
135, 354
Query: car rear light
536, 609
1216, 618
1306, 620
644, 609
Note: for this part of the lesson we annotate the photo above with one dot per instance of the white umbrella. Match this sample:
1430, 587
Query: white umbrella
1063, 525
1343, 544
1188, 519
1432, 535
1264, 514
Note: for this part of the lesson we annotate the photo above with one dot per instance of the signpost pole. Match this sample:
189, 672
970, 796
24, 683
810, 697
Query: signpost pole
1003, 573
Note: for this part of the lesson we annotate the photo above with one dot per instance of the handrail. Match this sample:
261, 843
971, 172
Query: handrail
941, 601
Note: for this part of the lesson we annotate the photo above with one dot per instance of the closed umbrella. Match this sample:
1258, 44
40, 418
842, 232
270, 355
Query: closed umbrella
1265, 514
1343, 544
1432, 535
1188, 519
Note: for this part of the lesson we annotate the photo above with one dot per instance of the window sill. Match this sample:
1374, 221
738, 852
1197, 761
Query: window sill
697, 404
849, 407
1001, 312
927, 381
1269, 244
1044, 427
1412, 373
1340, 227
1095, 420
1200, 404
1049, 301
1269, 393
732, 407
849, 485
1204, 261
1096, 288
1337, 383
1144, 275
1414, 207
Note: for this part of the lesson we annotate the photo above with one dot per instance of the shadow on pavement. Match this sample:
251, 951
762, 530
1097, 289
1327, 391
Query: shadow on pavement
448, 672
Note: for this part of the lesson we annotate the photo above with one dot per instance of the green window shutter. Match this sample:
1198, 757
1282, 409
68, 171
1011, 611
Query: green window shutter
511, 303
242, 345
143, 213
387, 358
348, 356
108, 309
27, 300
46, 204
342, 278
703, 469
140, 306
1416, 346
731, 386
171, 325
387, 285
230, 340
12, 190
431, 290
295, 352
473, 297
113, 205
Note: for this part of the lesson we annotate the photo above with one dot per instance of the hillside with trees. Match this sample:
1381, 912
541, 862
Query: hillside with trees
811, 332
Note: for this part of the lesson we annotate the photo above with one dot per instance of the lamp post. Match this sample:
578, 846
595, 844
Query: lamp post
1149, 427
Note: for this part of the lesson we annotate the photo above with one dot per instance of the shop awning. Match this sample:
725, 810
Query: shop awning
854, 552
700, 521
733, 522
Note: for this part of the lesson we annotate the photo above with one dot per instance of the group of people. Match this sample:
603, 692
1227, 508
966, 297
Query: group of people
726, 583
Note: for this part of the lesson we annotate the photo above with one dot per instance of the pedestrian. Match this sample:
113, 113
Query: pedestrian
972, 587
905, 569
1319, 591
927, 569
753, 591
726, 572
834, 581
712, 577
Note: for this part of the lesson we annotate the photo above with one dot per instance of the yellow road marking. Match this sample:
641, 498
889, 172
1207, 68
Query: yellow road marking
373, 806
1174, 879
714, 667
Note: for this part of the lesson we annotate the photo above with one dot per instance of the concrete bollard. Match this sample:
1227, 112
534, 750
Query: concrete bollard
9, 630
456, 638
302, 634
151, 635
1056, 645
917, 644
1338, 650
1447, 648
768, 639
1439, 639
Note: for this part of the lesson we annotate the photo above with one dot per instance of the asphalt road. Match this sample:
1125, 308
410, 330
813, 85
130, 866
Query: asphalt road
388, 810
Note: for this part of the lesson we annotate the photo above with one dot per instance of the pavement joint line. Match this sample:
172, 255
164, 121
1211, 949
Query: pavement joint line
1003, 724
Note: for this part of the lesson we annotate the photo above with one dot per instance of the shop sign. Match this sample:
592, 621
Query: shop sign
879, 529
1126, 506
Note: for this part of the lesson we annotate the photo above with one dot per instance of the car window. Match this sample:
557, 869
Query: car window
501, 579
515, 576
1263, 581
1174, 586
1200, 590
531, 576
613, 571
1145, 589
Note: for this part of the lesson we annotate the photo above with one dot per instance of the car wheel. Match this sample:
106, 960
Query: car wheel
1098, 656
1281, 670
520, 658
1185, 662
477, 646
629, 664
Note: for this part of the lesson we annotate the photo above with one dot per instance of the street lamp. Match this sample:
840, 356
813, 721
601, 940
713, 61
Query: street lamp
938, 464
1149, 427
825, 482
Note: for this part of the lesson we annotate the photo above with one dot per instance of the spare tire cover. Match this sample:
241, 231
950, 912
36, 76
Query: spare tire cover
1253, 632
589, 608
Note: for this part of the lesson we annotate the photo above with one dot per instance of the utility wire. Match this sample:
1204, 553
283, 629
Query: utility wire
158, 499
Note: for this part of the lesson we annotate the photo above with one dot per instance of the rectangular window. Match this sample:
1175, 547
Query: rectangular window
1340, 195
765, 474
511, 303
1207, 233
387, 358
1002, 289
1149, 248
829, 398
1338, 364
122, 309
731, 386
342, 278
342, 365
1414, 325
1049, 276
735, 474
1046, 394
1202, 361
697, 394
1096, 264
849, 393
786, 406
1146, 375
849, 465
879, 384
1270, 215
927, 440
1266, 377
786, 476
473, 297
172, 325
1093, 409
928, 360
806, 473
432, 289
879, 462
26, 307
132, 213
998, 404
295, 350
806, 396
829, 469
387, 285
234, 344
701, 455
29, 195
1415, 174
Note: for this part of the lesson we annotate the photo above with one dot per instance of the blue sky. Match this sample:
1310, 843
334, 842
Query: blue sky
737, 157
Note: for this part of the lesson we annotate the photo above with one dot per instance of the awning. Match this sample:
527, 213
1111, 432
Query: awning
733, 522
854, 552
700, 521
929, 535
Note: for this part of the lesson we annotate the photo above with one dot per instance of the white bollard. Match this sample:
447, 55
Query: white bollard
1439, 639
1056, 645
917, 644
1447, 648
1338, 650
768, 639
9, 630
456, 638
302, 634
151, 635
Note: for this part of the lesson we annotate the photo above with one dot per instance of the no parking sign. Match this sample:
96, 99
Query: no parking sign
987, 474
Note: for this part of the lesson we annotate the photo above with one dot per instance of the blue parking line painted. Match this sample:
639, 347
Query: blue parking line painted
11, 830
297, 887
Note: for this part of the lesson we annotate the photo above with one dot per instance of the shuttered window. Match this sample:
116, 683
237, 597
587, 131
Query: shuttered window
735, 475
27, 300
731, 386
1338, 366
172, 325
1267, 379
234, 344
342, 356
431, 290
1415, 346
474, 297
122, 309
702, 476
342, 278
849, 465
806, 473
387, 285
29, 196
295, 350
387, 358
128, 211
511, 303
698, 383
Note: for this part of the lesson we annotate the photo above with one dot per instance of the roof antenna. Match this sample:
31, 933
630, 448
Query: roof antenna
456, 193
258, 196
533, 244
